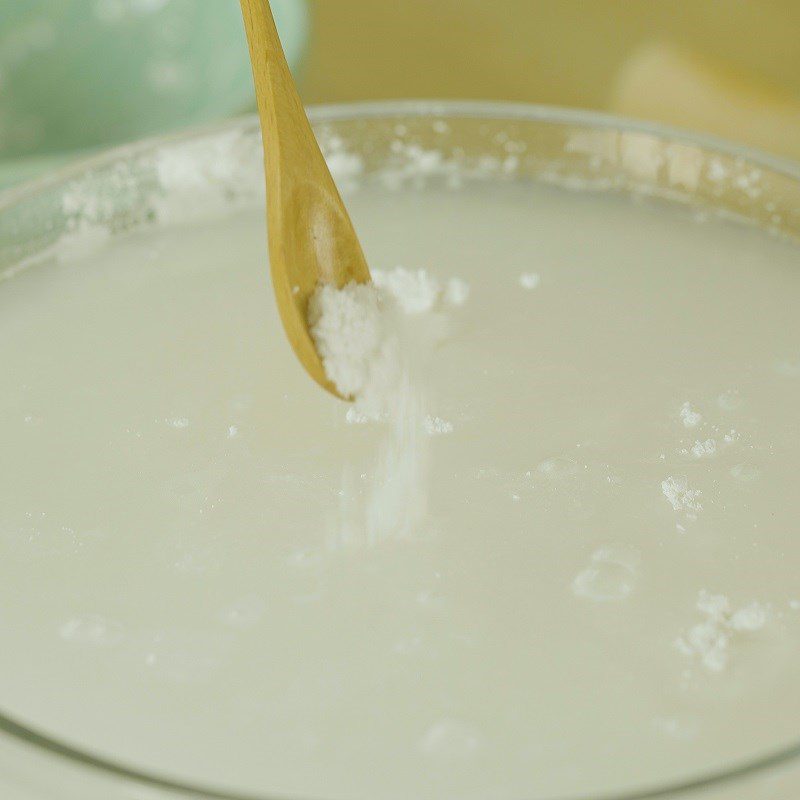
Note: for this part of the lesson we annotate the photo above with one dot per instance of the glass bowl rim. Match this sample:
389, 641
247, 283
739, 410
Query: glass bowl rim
347, 112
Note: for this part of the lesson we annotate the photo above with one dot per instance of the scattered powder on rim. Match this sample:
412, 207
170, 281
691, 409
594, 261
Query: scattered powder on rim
80, 239
414, 164
417, 291
709, 641
346, 169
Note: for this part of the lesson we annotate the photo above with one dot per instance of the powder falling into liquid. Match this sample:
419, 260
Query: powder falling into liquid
372, 339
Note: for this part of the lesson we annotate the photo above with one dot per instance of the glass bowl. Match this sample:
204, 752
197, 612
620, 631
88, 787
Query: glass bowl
213, 171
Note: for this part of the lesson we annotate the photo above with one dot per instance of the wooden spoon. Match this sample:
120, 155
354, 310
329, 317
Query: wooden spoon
311, 237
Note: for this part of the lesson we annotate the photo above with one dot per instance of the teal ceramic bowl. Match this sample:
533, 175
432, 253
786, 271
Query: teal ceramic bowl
76, 75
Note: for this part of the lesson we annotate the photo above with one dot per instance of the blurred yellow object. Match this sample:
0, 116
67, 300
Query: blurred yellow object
663, 83
571, 53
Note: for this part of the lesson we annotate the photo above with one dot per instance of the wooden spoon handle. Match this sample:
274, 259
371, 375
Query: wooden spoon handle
276, 94
311, 237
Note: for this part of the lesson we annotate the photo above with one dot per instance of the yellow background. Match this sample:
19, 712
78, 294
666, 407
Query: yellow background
563, 52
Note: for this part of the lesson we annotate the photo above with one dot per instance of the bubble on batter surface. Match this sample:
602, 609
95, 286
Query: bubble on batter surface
689, 416
530, 280
611, 575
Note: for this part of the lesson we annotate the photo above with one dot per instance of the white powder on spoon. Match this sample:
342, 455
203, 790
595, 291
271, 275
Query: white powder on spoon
354, 341
368, 335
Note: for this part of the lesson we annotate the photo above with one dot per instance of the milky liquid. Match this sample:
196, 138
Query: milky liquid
176, 591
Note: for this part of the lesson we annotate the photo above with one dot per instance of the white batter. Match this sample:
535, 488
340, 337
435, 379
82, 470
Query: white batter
601, 590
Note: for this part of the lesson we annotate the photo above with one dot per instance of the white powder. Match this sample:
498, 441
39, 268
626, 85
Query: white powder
353, 417
357, 351
435, 426
690, 417
346, 168
456, 292
709, 641
704, 449
415, 291
530, 280
414, 164
679, 495
749, 618
611, 575
397, 496
372, 340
